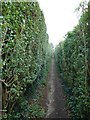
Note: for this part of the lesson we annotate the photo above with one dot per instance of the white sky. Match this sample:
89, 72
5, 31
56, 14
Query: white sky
60, 17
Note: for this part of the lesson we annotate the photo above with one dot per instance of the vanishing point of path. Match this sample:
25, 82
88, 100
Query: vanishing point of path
55, 96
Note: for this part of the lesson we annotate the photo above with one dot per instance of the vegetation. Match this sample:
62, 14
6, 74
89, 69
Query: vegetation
25, 59
25, 54
73, 62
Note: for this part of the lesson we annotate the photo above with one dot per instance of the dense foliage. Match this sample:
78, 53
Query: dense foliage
73, 62
25, 53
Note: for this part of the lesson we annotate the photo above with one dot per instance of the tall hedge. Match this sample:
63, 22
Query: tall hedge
25, 51
73, 62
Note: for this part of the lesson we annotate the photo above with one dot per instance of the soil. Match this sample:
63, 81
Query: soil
54, 96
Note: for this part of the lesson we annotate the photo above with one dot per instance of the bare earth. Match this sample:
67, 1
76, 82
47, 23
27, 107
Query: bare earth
55, 101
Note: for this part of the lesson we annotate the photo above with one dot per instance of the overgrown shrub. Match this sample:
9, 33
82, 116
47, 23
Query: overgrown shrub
73, 62
25, 52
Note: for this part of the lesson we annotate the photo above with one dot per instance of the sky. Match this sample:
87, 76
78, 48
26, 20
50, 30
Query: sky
60, 17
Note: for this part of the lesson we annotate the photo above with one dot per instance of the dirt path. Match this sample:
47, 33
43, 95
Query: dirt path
55, 97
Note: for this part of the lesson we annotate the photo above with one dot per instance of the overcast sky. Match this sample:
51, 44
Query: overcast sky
60, 17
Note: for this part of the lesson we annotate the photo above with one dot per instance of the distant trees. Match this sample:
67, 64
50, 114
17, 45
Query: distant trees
52, 45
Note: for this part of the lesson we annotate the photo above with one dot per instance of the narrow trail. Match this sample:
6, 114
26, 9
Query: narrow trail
55, 96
